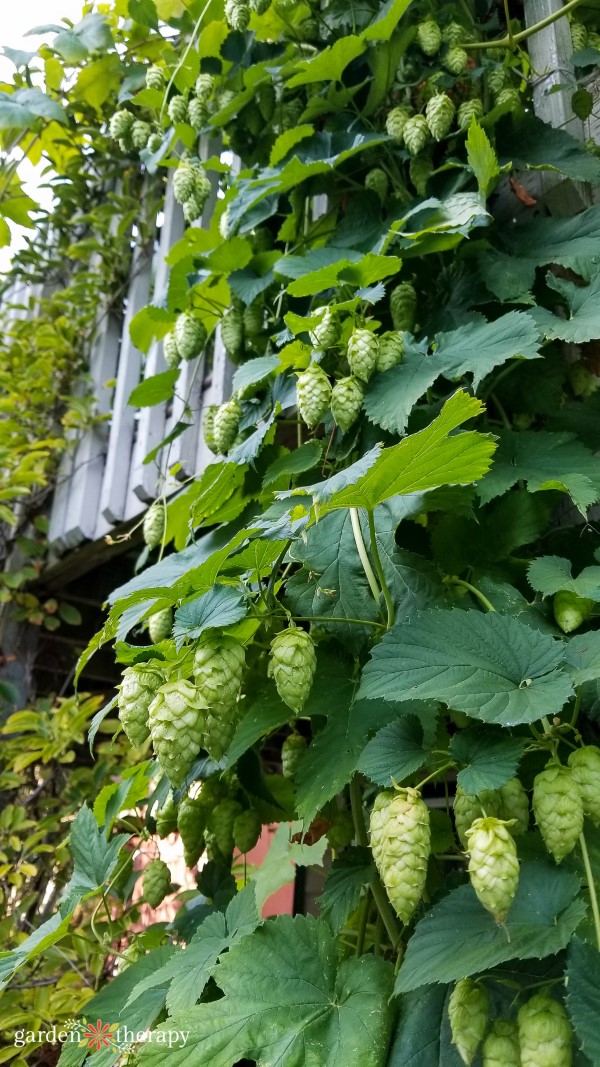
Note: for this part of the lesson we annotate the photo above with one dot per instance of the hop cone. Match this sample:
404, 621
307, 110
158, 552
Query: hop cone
579, 35
136, 693
545, 1033
184, 181
391, 350
221, 823
226, 425
401, 843
153, 527
253, 319
177, 109
154, 78
208, 427
191, 823
292, 750
429, 37
468, 1010
377, 181
291, 112
221, 721
456, 60
232, 332
346, 402
218, 668
198, 114
341, 832
497, 78
570, 610
190, 335
246, 830
584, 764
171, 351
176, 719
192, 210
416, 134
314, 394
403, 306
120, 125
439, 115
140, 132
453, 33
396, 121
166, 817
469, 110
420, 170
154, 143
501, 1046
260, 6
509, 96
325, 334
204, 86
156, 882
514, 806
558, 809
470, 806
160, 625
493, 865
237, 14
363, 349
292, 666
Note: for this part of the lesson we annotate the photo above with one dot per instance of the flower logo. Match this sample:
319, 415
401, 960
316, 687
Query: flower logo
99, 1035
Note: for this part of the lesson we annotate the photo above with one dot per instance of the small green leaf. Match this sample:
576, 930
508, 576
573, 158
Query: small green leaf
544, 461
582, 656
154, 390
330, 63
582, 104
254, 371
346, 877
94, 857
548, 574
583, 320
490, 757
221, 606
149, 323
395, 752
301, 459
482, 159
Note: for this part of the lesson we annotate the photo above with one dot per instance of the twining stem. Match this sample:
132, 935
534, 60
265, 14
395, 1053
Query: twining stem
362, 552
578, 699
434, 774
511, 40
389, 603
382, 903
472, 589
592, 887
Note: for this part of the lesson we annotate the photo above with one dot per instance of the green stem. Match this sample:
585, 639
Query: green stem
472, 589
362, 552
576, 709
509, 42
362, 924
591, 887
389, 603
382, 903
326, 618
275, 570
434, 774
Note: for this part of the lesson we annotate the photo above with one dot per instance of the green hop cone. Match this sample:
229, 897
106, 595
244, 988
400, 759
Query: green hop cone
153, 526
247, 828
160, 625
493, 865
190, 334
497, 79
120, 125
501, 1046
260, 6
326, 333
254, 319
346, 402
237, 14
184, 181
429, 37
226, 425
584, 764
204, 86
191, 823
198, 114
362, 352
401, 843
514, 806
396, 121
192, 209
471, 806
558, 809
509, 96
469, 110
232, 332
292, 751
570, 610
579, 35
208, 427
221, 722
377, 182
136, 692
545, 1035
154, 78
453, 33
468, 1010
156, 882
341, 832
221, 822
291, 112
403, 306
177, 109
171, 351
219, 667
420, 170
456, 60
439, 115
140, 133
292, 666
166, 817
416, 134
313, 392
154, 143
391, 350
176, 718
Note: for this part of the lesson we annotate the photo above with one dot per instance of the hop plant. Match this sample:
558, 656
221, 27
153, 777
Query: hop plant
439, 114
292, 750
120, 125
396, 121
545, 1035
570, 610
184, 182
292, 666
362, 352
493, 865
160, 625
136, 693
416, 134
226, 425
501, 1046
208, 427
326, 333
469, 110
232, 332
346, 402
456, 60
204, 86
198, 113
166, 817
177, 109
470, 806
170, 350
221, 823
579, 35
313, 394
377, 182
237, 14
246, 830
391, 350
558, 809
154, 78
401, 843
514, 806
176, 718
584, 765
218, 668
156, 882
190, 334
253, 320
403, 306
468, 1010
154, 524
429, 37
420, 170
191, 823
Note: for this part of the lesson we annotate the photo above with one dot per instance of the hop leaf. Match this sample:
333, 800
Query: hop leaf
346, 401
363, 349
160, 625
416, 134
439, 115
136, 693
545, 1034
501, 1047
246, 830
292, 750
226, 424
429, 37
156, 882
326, 333
191, 823
177, 717
571, 610
153, 526
396, 121
401, 843
493, 865
391, 350
558, 809
468, 1010
514, 806
314, 394
190, 334
292, 666
584, 764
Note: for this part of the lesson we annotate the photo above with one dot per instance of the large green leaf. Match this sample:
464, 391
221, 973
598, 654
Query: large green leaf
490, 757
95, 858
112, 1002
329, 64
396, 751
221, 606
570, 242
482, 159
388, 17
422, 1037
583, 304
20, 109
583, 995
540, 923
288, 1002
582, 655
494, 668
548, 574
525, 141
